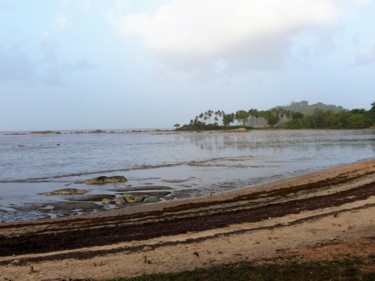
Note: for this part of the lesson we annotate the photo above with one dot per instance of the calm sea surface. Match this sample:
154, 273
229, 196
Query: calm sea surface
190, 164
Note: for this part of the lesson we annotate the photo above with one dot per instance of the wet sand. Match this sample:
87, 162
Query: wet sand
297, 216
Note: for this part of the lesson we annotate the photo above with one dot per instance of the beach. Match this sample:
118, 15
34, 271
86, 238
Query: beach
317, 215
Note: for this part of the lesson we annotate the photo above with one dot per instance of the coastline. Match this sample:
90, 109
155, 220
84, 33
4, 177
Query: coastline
295, 215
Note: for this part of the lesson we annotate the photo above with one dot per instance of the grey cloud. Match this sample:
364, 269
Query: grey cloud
55, 71
266, 54
54, 75
234, 36
78, 66
48, 46
16, 65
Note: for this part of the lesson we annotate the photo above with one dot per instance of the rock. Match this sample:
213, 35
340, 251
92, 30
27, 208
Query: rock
147, 248
134, 198
95, 198
45, 133
97, 131
15, 134
151, 199
107, 201
119, 201
104, 180
65, 191
238, 130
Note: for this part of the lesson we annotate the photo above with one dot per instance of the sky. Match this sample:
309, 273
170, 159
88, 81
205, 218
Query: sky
117, 64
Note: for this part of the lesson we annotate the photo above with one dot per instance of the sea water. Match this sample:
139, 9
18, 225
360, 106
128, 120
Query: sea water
187, 163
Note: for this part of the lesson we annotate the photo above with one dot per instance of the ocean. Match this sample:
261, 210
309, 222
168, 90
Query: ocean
176, 164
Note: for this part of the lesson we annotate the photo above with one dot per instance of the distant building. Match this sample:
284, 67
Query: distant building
261, 122
256, 122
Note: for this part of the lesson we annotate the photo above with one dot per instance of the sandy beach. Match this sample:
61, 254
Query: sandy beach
319, 215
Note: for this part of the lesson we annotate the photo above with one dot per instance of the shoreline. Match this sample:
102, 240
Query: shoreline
248, 224
230, 129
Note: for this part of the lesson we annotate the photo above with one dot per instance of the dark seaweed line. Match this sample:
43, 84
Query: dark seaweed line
103, 236
79, 255
192, 207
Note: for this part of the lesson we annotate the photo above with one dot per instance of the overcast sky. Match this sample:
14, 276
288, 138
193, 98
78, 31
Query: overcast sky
88, 64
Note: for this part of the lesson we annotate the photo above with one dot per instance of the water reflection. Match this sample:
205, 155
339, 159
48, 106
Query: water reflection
253, 140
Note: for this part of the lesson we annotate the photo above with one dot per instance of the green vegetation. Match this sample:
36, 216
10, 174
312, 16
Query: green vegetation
346, 269
326, 119
303, 116
306, 109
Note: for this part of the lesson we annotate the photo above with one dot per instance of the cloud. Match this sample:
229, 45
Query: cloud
61, 21
239, 34
360, 3
77, 66
16, 65
54, 74
366, 56
48, 46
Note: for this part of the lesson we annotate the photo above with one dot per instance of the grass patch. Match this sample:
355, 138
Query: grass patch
348, 269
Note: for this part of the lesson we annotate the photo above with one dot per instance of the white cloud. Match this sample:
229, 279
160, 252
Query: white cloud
117, 13
61, 21
360, 3
240, 34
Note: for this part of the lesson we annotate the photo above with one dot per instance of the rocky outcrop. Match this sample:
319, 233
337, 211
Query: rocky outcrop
65, 191
107, 201
151, 199
119, 201
103, 180
131, 198
238, 130
45, 133
134, 198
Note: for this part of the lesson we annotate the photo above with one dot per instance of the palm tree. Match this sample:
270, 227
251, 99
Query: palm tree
201, 116
209, 113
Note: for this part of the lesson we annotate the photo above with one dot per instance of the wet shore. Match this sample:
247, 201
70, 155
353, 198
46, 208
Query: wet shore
180, 165
331, 205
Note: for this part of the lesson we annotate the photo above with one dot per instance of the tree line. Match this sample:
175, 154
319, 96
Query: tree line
282, 117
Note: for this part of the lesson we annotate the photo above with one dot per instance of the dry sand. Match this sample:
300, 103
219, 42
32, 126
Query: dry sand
320, 215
